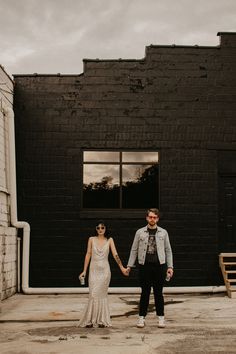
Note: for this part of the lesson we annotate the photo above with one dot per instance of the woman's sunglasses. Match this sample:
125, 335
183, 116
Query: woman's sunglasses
100, 227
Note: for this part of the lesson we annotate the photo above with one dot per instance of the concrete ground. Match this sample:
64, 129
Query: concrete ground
35, 324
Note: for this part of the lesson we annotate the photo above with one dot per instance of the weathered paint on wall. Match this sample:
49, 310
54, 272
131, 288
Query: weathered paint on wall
8, 238
178, 100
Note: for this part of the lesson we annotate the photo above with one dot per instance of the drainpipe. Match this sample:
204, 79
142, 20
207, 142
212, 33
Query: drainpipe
13, 199
18, 264
26, 238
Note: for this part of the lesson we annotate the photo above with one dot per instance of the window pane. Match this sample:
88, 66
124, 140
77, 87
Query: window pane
139, 156
101, 156
101, 186
140, 186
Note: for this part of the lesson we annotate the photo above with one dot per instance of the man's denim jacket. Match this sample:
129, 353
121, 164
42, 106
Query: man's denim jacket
140, 244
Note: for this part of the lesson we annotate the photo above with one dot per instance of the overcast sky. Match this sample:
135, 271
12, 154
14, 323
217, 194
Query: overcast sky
53, 36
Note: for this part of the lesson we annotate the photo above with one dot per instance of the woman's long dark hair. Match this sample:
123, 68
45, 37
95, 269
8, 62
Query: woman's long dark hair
101, 222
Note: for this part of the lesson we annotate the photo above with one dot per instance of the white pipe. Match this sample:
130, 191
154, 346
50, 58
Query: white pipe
18, 264
26, 239
133, 290
13, 199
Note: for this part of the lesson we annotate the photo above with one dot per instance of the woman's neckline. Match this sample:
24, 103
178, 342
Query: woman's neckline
97, 242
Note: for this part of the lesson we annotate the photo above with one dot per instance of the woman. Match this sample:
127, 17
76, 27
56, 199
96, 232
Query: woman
97, 312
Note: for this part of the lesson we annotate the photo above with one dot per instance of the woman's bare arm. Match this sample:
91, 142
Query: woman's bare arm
87, 257
116, 256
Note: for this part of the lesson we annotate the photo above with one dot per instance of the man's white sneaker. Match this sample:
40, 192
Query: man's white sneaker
141, 322
161, 322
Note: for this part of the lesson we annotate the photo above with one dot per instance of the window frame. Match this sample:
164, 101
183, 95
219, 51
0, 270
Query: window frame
116, 212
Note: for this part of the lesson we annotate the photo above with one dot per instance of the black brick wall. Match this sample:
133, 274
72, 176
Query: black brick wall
178, 100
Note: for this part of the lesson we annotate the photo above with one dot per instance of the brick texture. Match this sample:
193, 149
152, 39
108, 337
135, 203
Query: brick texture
8, 249
178, 100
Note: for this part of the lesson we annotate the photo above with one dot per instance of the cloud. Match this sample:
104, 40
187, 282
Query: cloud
51, 36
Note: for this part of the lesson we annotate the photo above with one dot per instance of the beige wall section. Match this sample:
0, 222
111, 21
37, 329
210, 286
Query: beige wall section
8, 249
8, 235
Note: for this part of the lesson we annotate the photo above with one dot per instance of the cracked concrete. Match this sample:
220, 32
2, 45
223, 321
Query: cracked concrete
35, 324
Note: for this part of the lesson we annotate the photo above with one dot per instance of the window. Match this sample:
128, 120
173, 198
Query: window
120, 180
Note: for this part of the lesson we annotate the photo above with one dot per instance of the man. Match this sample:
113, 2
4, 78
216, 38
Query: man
152, 247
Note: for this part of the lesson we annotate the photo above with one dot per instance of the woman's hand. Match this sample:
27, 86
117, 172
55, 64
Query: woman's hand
124, 271
82, 275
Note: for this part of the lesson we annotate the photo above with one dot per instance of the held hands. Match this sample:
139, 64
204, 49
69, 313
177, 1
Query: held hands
128, 269
125, 271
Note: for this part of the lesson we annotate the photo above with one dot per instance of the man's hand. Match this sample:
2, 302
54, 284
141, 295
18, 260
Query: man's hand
128, 269
170, 272
124, 271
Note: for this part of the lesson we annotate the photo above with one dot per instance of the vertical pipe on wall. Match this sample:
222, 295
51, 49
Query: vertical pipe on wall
13, 198
18, 264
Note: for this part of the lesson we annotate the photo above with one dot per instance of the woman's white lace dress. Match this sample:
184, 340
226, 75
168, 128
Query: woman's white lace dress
97, 310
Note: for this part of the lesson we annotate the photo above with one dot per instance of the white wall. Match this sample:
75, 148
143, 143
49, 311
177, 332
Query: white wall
8, 235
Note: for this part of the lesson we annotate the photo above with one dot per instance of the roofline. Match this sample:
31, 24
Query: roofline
220, 33
153, 46
111, 60
88, 60
183, 46
9, 77
85, 60
54, 75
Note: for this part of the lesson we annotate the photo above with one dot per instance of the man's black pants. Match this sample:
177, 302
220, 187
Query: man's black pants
152, 275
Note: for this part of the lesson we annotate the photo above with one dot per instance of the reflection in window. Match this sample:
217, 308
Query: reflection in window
140, 156
102, 156
120, 179
140, 188
101, 186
